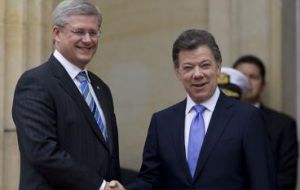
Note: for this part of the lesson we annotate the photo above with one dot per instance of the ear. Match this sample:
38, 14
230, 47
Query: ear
176, 69
263, 85
56, 32
219, 66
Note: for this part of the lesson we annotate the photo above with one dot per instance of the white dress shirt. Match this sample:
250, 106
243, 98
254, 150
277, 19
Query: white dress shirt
73, 71
190, 113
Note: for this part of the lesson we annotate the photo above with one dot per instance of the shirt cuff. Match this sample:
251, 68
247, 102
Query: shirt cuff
102, 185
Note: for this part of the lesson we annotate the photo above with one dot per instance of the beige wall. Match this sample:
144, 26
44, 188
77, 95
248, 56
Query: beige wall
244, 27
134, 57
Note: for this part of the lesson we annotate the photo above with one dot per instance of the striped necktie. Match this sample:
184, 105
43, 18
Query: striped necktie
85, 91
196, 137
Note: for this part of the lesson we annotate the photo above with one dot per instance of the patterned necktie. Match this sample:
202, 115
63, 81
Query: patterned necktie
197, 132
85, 91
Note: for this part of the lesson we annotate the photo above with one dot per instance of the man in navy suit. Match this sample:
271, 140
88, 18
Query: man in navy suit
281, 127
64, 114
235, 153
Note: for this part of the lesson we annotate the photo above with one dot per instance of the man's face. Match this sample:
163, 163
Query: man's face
198, 71
77, 41
255, 79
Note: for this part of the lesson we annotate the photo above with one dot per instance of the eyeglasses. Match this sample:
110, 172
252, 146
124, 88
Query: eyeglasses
81, 33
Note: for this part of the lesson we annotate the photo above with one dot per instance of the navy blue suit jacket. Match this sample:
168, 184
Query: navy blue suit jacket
60, 143
283, 132
235, 155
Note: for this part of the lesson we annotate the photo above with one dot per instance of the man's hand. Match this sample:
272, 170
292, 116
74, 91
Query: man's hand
114, 185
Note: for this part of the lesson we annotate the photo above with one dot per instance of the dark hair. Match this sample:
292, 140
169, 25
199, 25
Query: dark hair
192, 39
251, 59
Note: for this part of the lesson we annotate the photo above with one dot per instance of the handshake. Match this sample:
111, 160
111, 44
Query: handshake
114, 185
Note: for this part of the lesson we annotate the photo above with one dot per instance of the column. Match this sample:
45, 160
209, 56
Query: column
14, 62
2, 5
298, 77
251, 27
221, 24
23, 26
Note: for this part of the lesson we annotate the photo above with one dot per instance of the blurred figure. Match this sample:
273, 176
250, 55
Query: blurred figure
233, 83
207, 141
282, 128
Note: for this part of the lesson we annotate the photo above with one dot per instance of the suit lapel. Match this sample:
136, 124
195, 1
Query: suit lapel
177, 132
218, 122
98, 89
68, 85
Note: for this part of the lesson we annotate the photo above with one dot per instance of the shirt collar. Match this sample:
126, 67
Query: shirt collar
209, 104
71, 69
257, 104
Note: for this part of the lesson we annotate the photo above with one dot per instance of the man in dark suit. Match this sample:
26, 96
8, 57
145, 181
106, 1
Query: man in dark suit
234, 154
64, 114
281, 128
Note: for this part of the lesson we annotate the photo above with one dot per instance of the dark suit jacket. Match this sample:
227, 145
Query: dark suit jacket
283, 134
235, 155
60, 143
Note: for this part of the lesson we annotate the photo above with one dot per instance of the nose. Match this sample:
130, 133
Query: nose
197, 72
87, 37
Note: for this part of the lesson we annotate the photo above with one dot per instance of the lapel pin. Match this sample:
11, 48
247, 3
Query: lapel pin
98, 88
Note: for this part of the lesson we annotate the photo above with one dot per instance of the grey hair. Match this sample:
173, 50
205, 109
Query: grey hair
67, 8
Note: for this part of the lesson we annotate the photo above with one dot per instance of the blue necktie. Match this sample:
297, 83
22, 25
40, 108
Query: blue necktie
197, 133
85, 91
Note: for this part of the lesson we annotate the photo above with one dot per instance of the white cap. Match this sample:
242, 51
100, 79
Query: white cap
230, 76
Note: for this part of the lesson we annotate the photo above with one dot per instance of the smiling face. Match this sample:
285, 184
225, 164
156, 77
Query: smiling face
76, 48
198, 71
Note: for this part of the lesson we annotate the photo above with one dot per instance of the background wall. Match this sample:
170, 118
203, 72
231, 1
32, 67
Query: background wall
134, 58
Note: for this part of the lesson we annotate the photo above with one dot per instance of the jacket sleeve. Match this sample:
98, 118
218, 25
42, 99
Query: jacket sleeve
258, 154
287, 157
